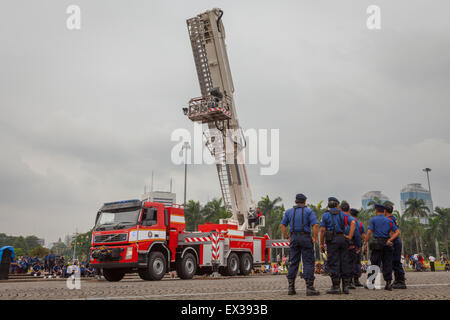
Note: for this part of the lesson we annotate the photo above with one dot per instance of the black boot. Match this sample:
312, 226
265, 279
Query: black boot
388, 285
399, 283
335, 288
351, 285
310, 290
356, 282
345, 286
291, 287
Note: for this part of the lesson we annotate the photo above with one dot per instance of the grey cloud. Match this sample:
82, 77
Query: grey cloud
87, 115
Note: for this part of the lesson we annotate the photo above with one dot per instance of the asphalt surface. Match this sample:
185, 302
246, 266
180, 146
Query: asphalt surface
421, 286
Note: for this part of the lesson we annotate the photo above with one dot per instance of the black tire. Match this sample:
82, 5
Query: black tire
113, 275
246, 265
143, 274
223, 271
187, 267
204, 270
156, 268
232, 264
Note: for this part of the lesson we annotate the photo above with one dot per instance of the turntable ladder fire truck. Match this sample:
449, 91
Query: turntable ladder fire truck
149, 237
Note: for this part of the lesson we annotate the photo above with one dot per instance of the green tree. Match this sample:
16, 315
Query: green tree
39, 251
269, 209
417, 208
59, 248
193, 215
318, 209
443, 217
214, 210
81, 245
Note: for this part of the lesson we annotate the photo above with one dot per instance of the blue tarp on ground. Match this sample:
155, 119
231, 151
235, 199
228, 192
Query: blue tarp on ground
6, 248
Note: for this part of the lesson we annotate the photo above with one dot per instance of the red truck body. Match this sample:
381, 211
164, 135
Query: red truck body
164, 245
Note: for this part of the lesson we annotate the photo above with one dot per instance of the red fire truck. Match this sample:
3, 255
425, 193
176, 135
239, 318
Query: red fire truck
149, 238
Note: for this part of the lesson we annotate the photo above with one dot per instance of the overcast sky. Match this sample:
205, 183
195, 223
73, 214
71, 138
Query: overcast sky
86, 115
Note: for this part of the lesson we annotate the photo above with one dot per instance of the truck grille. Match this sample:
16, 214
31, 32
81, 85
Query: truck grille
117, 237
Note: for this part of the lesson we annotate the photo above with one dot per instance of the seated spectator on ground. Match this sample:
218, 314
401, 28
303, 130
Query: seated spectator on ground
36, 270
82, 270
275, 269
57, 272
90, 271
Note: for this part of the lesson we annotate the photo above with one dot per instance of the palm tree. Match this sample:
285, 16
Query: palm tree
318, 209
365, 215
443, 216
411, 228
214, 210
417, 208
268, 208
193, 215
434, 232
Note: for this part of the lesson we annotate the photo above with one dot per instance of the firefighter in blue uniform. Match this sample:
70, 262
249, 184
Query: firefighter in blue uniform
337, 229
384, 232
355, 252
397, 267
300, 219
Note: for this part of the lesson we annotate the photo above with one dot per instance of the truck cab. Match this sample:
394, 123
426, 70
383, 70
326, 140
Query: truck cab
128, 234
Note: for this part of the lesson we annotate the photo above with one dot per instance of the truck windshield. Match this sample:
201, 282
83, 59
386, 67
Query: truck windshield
117, 219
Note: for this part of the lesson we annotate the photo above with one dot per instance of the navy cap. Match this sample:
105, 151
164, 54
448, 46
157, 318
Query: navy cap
379, 207
354, 212
333, 199
300, 197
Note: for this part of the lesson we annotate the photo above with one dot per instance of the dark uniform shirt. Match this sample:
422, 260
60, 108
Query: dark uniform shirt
382, 226
394, 220
359, 230
336, 221
309, 219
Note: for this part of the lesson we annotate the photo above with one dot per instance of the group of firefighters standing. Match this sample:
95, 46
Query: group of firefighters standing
343, 238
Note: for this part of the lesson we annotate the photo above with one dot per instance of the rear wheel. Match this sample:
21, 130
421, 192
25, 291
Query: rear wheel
232, 264
246, 264
113, 275
187, 267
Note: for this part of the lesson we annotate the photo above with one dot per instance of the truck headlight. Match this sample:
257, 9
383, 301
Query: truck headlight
129, 253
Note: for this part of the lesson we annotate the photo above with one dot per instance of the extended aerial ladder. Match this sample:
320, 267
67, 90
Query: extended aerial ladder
216, 110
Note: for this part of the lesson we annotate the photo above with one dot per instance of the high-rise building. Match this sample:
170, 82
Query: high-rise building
416, 191
370, 196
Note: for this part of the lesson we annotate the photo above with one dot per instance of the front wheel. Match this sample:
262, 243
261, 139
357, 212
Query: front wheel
156, 268
143, 274
113, 275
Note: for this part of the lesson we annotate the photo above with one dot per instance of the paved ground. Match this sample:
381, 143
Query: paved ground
422, 286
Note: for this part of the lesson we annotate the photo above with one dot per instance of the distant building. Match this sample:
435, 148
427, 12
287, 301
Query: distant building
168, 198
370, 196
68, 239
41, 242
416, 191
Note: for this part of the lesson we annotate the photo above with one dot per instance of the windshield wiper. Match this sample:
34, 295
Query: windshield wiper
100, 226
123, 222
